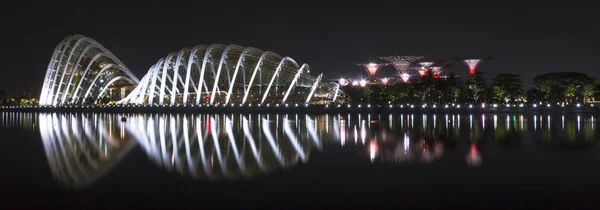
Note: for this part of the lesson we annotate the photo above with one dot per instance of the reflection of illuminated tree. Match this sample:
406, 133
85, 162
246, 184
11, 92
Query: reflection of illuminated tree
570, 131
505, 137
589, 132
547, 137
572, 136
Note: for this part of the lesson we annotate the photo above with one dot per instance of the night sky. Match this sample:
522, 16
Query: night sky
524, 39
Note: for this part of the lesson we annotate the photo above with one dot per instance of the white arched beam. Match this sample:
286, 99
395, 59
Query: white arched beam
293, 83
275, 74
314, 87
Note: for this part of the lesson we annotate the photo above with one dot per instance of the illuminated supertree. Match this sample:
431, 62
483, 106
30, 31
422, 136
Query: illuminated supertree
343, 82
472, 63
401, 63
405, 77
385, 80
363, 83
372, 68
437, 69
425, 67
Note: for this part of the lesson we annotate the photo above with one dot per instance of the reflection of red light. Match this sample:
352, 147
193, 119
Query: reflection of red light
373, 145
208, 95
473, 149
208, 122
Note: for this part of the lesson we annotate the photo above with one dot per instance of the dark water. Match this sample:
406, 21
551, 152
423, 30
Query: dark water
451, 161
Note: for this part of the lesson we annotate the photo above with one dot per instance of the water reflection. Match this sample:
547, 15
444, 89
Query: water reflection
83, 147
224, 146
80, 148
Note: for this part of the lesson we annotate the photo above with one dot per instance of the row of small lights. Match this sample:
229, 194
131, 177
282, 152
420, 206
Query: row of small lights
276, 105
453, 105
154, 105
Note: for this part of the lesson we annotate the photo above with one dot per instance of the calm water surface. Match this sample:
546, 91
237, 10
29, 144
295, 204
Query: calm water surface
242, 161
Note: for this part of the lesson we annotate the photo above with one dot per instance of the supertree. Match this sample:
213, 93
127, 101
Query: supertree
343, 82
405, 77
425, 67
472, 63
372, 68
401, 63
437, 69
385, 80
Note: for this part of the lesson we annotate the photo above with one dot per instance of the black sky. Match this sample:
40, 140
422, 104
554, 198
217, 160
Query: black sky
528, 39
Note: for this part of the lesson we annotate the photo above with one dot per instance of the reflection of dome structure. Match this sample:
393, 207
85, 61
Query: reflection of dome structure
213, 147
220, 74
80, 72
82, 148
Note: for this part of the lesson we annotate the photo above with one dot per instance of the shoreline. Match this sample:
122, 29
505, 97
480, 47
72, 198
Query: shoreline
303, 110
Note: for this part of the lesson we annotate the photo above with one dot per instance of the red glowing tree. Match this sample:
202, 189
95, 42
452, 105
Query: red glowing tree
472, 63
425, 67
437, 70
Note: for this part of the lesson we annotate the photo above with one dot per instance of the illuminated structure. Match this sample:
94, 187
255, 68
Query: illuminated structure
437, 70
373, 68
472, 63
225, 147
405, 77
385, 80
401, 64
82, 148
227, 74
425, 67
81, 71
343, 82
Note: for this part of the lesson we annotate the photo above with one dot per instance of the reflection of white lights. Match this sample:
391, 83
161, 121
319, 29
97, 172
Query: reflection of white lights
342, 133
495, 121
354, 83
578, 123
373, 150
406, 142
363, 132
534, 122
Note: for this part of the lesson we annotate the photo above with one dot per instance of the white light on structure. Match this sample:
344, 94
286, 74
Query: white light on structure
405, 77
363, 83
343, 82
354, 83
385, 80
578, 105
